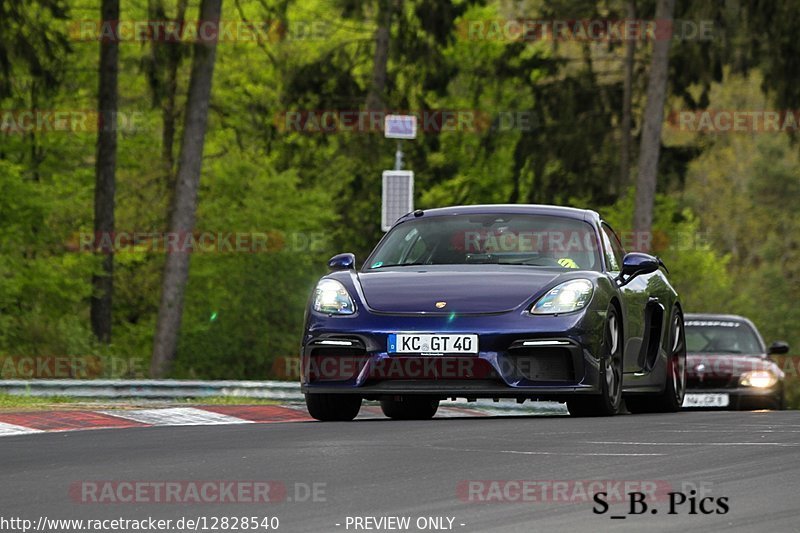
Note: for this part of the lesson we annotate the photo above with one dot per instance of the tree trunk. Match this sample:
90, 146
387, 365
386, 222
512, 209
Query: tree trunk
105, 183
162, 73
169, 110
520, 158
627, 96
651, 125
377, 88
176, 268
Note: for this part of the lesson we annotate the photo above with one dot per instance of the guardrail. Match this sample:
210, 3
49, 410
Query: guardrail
166, 389
152, 388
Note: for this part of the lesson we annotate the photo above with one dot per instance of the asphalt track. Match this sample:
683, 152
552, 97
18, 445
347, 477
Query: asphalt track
379, 468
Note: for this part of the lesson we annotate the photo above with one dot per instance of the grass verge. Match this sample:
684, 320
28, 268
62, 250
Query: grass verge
14, 401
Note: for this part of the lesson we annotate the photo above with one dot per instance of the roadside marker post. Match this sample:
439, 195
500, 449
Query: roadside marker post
398, 184
398, 196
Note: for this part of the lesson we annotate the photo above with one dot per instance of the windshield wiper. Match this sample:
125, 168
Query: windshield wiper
396, 265
527, 262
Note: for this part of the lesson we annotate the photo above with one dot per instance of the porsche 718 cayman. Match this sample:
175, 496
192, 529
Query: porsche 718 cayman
494, 301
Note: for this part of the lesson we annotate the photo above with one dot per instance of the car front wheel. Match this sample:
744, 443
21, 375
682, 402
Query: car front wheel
608, 403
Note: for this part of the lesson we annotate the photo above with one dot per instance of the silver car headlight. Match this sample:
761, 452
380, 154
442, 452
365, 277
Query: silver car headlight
332, 298
564, 298
759, 379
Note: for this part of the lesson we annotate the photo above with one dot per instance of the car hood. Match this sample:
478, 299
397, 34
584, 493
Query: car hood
725, 365
473, 290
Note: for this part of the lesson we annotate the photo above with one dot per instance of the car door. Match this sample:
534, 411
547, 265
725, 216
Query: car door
640, 312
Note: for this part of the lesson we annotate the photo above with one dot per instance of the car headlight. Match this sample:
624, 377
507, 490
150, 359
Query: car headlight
760, 379
331, 297
565, 298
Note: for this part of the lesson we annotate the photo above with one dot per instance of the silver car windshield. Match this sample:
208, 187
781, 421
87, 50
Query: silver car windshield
721, 336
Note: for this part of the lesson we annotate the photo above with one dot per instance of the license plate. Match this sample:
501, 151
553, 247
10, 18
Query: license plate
432, 343
706, 400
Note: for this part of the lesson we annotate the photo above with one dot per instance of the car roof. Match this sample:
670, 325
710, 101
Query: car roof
715, 316
527, 209
723, 318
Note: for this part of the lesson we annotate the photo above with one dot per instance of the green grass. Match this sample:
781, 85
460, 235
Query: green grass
13, 401
229, 400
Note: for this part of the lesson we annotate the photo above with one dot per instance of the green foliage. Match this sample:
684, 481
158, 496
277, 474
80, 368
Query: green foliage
725, 222
42, 289
742, 188
243, 309
697, 271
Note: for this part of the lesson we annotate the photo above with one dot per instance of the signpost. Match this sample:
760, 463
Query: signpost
400, 126
398, 184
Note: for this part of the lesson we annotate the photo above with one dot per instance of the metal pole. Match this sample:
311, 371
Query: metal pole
398, 157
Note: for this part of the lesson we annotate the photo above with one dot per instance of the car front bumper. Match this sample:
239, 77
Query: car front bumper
348, 355
744, 397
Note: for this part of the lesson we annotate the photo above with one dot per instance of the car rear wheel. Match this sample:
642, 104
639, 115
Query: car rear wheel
608, 402
671, 399
333, 407
410, 407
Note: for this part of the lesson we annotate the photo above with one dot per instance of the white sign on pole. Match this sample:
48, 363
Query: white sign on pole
398, 196
400, 127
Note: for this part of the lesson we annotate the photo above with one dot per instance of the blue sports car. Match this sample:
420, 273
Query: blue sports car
494, 301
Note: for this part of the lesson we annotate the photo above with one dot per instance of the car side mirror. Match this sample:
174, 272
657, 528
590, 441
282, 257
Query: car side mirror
635, 264
778, 348
342, 262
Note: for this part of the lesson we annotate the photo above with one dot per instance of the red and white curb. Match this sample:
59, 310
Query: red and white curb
26, 422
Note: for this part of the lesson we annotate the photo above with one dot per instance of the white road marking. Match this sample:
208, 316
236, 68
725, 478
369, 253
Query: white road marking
782, 444
12, 429
736, 430
581, 453
524, 452
176, 416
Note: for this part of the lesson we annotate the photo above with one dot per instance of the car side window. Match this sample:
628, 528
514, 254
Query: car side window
612, 248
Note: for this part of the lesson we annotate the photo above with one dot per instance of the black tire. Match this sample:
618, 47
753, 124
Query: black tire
671, 398
410, 407
333, 407
609, 401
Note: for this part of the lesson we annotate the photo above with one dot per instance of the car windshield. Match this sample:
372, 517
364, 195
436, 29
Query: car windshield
721, 336
530, 240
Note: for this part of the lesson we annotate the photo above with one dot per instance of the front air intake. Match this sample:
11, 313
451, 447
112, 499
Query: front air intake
542, 364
